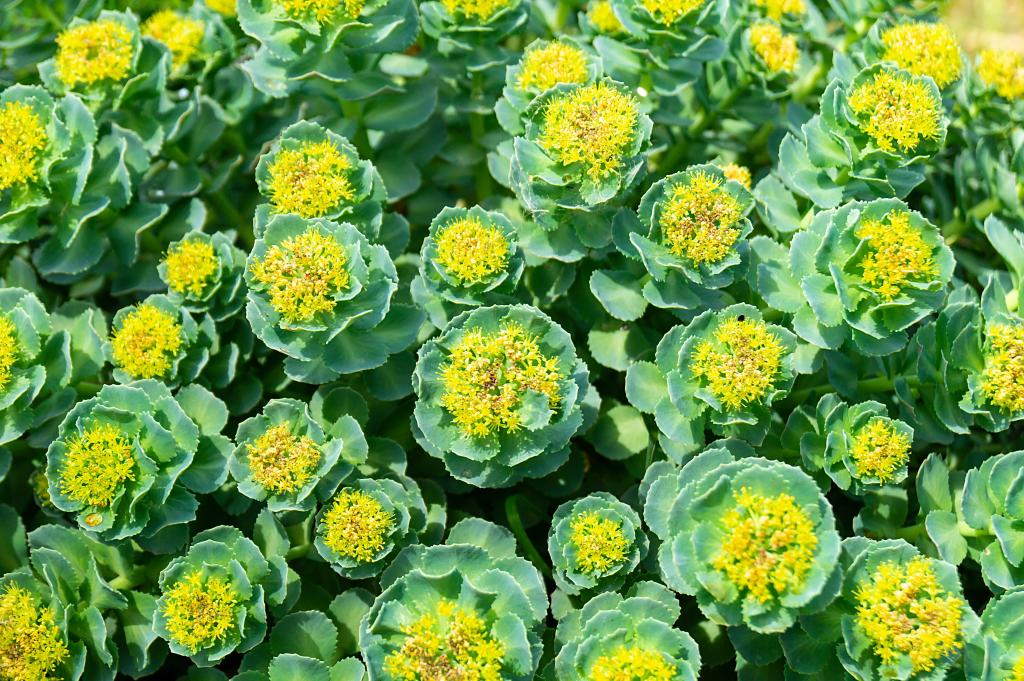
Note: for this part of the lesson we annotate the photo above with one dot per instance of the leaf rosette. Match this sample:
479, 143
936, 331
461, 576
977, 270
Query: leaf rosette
462, 27
204, 274
993, 506
998, 654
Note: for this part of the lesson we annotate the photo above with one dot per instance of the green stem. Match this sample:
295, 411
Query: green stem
958, 226
515, 523
702, 122
877, 384
914, 531
809, 83
353, 111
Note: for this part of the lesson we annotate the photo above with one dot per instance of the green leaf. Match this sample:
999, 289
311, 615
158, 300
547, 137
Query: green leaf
645, 386
620, 433
619, 293
933, 485
311, 634
942, 530
298, 668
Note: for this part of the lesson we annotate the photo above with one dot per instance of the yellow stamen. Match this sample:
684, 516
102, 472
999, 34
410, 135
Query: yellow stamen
602, 16
700, 219
668, 12
470, 251
775, 9
200, 612
554, 63
897, 111
879, 450
1004, 71
924, 49
228, 8
778, 51
22, 141
737, 173
742, 365
896, 255
310, 180
97, 463
182, 35
632, 663
191, 266
357, 526
600, 543
147, 342
282, 462
8, 351
477, 10
32, 647
322, 11
1003, 380
98, 50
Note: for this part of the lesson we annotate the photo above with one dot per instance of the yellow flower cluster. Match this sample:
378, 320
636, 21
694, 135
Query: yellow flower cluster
470, 251
737, 173
897, 111
228, 8
477, 10
668, 12
22, 141
280, 461
1017, 672
487, 374
453, 645
632, 663
742, 364
879, 450
593, 126
31, 645
769, 544
200, 611
147, 342
310, 180
602, 16
322, 11
903, 610
1003, 379
302, 273
554, 63
1004, 71
95, 51
924, 49
600, 543
96, 463
700, 219
8, 351
896, 255
778, 51
191, 266
777, 8
356, 525
181, 34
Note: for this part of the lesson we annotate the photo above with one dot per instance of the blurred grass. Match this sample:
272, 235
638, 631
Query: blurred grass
988, 23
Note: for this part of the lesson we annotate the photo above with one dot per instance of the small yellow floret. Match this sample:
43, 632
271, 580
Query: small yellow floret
96, 463
777, 8
737, 173
182, 35
700, 219
778, 51
191, 266
769, 545
200, 612
357, 526
896, 255
470, 251
879, 450
322, 11
31, 644
924, 49
147, 342
600, 543
98, 50
302, 273
602, 16
22, 141
280, 461
8, 351
310, 180
487, 375
1017, 672
632, 663
1003, 380
593, 125
477, 10
897, 111
451, 645
228, 8
903, 610
742, 364
554, 63
668, 12
1004, 71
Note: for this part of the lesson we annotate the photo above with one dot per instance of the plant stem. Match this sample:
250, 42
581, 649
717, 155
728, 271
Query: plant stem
957, 227
353, 111
515, 523
876, 384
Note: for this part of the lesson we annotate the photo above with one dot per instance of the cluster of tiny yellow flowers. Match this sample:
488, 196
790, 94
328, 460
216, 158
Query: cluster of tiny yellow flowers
554, 63
903, 610
147, 342
322, 11
600, 543
668, 12
89, 53
200, 611
31, 645
96, 463
182, 35
776, 9
737, 173
451, 645
632, 663
897, 111
191, 265
924, 49
778, 51
1004, 71
879, 450
470, 251
897, 254
22, 141
742, 364
1003, 379
700, 219
280, 461
1017, 672
487, 374
228, 8
602, 16
302, 273
8, 351
357, 526
477, 10
769, 544
310, 180
593, 125
41, 488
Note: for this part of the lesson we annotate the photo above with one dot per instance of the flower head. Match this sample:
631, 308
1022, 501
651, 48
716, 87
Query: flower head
924, 49
737, 173
200, 611
454, 644
302, 274
470, 250
22, 141
97, 462
548, 65
477, 10
181, 34
778, 51
191, 266
94, 51
599, 542
668, 12
903, 610
602, 16
357, 525
700, 219
1003, 378
31, 644
228, 8
777, 8
896, 254
769, 544
592, 125
322, 11
282, 462
742, 365
8, 351
1004, 71
879, 450
897, 111
627, 663
147, 342
310, 180
488, 374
